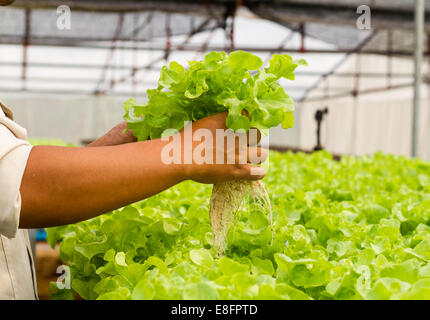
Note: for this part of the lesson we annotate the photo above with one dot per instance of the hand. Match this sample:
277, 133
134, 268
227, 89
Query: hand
214, 172
115, 137
110, 177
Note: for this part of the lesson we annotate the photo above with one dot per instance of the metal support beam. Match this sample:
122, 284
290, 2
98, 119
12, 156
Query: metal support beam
25, 42
49, 65
120, 23
385, 14
150, 64
125, 45
419, 52
352, 93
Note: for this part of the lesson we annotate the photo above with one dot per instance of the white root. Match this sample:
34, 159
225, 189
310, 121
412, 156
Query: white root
226, 200
259, 195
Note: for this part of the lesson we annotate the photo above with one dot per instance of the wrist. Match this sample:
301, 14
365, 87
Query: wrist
175, 170
188, 171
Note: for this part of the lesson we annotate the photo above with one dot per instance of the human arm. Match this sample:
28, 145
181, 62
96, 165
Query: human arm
64, 185
114, 137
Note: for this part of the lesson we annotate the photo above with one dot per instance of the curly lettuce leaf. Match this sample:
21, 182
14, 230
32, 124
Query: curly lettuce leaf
219, 82
353, 229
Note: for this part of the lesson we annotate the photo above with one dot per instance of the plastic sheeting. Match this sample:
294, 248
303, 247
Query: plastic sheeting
51, 117
372, 121
76, 119
96, 26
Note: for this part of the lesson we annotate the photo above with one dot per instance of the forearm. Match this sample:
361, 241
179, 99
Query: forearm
117, 135
65, 185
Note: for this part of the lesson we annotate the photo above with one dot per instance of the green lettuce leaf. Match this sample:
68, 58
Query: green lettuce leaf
219, 82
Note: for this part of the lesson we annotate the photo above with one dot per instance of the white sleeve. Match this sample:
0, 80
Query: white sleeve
14, 152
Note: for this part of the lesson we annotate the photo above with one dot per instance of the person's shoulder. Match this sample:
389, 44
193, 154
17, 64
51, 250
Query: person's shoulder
5, 111
6, 120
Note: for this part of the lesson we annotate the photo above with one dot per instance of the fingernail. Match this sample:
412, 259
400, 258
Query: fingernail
258, 171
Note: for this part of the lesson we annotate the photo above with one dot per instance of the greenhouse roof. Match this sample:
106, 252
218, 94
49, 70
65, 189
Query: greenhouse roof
113, 41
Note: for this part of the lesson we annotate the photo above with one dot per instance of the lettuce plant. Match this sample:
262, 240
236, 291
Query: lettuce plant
220, 82
354, 229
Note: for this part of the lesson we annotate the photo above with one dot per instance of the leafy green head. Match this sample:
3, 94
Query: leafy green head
234, 82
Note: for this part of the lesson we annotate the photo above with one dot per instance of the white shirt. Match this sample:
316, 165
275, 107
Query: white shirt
17, 275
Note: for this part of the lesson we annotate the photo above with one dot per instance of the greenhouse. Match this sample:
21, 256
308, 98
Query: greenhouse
214, 150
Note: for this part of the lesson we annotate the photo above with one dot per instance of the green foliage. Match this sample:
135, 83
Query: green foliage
354, 229
218, 83
48, 142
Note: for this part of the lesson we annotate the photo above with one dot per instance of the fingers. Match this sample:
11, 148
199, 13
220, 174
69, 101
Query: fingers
124, 135
213, 122
249, 172
255, 155
253, 136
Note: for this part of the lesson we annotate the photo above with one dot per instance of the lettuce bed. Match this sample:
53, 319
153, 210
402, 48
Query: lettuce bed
354, 229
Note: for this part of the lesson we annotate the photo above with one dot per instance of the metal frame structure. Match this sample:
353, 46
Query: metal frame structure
294, 14
419, 49
222, 11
